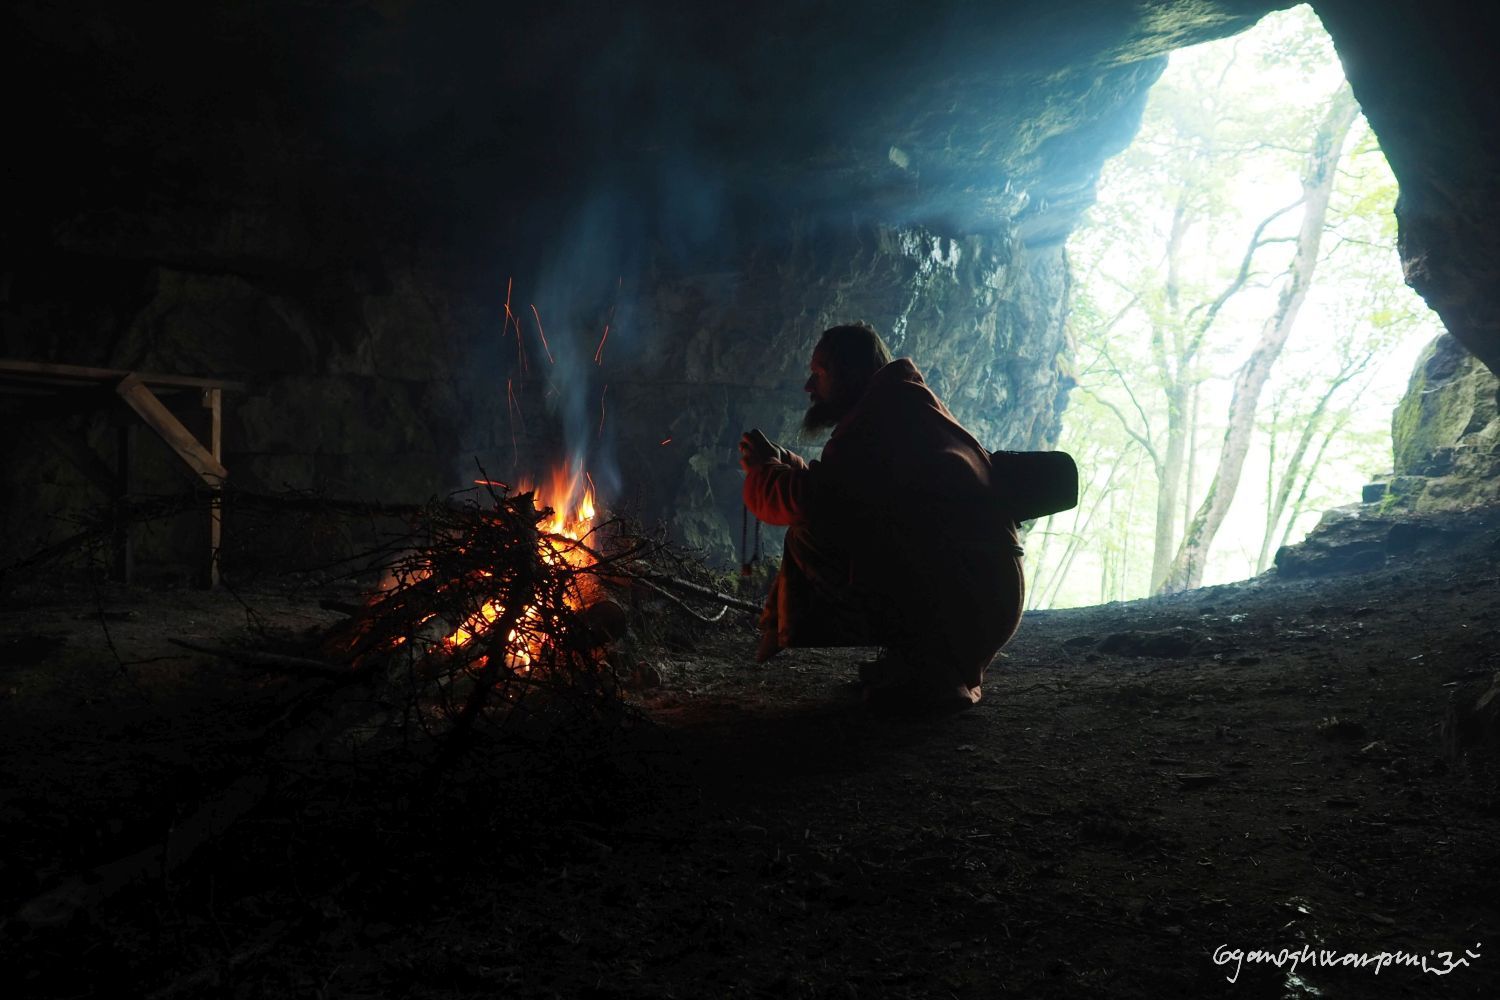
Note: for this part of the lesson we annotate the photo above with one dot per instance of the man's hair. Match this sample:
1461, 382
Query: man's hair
855, 350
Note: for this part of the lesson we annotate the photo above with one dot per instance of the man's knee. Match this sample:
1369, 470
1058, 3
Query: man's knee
816, 557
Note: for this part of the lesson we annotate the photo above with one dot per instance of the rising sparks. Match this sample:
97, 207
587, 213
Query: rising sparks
513, 410
543, 334
510, 319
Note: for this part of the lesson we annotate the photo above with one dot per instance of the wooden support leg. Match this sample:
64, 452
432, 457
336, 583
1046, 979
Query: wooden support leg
124, 545
204, 462
170, 429
213, 403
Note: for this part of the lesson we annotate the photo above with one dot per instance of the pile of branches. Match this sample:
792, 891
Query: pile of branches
488, 619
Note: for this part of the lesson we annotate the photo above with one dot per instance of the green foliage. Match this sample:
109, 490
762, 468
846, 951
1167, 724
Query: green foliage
1220, 148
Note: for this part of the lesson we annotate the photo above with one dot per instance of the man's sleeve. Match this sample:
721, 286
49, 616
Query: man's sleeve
777, 492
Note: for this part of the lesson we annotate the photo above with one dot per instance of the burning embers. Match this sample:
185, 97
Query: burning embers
498, 605
567, 508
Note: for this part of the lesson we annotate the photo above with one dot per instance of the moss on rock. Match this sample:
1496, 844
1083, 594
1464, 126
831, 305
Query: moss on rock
1446, 432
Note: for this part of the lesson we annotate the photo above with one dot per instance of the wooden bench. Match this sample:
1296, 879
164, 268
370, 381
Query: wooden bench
49, 392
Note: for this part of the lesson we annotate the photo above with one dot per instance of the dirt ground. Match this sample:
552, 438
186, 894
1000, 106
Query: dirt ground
1144, 789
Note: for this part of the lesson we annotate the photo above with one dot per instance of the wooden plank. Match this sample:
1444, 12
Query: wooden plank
124, 545
213, 403
171, 430
83, 373
74, 393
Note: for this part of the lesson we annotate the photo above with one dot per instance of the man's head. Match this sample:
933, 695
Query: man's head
842, 363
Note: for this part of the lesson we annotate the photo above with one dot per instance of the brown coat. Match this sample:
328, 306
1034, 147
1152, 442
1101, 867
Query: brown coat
908, 497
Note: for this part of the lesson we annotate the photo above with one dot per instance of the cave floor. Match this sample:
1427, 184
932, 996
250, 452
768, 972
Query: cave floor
1248, 767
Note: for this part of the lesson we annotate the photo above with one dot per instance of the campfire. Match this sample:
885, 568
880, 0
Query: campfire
567, 506
510, 605
499, 606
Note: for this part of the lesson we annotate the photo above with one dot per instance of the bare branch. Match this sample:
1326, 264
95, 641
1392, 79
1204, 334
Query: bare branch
1139, 439
1114, 369
1242, 276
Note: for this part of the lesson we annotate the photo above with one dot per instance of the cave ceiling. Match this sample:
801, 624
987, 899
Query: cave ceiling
475, 114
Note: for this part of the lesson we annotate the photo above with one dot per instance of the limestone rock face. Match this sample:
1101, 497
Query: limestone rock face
981, 315
1446, 485
1446, 432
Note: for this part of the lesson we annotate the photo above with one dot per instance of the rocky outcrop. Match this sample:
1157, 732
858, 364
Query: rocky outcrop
1445, 490
1362, 537
1446, 433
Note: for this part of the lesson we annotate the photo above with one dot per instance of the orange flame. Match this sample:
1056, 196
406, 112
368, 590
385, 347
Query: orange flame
570, 497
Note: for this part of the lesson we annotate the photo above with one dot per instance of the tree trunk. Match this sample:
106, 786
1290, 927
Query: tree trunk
1173, 374
1317, 184
1081, 531
1190, 444
1169, 480
1300, 504
1276, 504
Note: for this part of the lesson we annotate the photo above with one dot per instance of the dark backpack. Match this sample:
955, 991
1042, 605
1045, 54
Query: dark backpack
1034, 484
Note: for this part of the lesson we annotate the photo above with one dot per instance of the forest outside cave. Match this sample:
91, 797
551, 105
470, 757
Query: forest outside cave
1241, 255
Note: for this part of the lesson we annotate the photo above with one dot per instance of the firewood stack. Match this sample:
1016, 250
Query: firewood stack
488, 619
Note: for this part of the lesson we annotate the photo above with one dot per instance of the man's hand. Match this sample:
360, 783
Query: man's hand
756, 449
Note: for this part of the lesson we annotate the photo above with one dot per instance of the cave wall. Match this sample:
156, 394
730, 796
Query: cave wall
408, 389
982, 313
1425, 75
332, 203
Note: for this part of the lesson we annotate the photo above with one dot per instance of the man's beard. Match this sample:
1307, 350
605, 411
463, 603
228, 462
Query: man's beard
822, 415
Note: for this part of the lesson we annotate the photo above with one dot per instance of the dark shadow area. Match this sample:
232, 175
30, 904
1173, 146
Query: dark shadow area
1262, 764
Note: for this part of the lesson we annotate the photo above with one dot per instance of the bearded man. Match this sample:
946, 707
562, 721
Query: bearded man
898, 536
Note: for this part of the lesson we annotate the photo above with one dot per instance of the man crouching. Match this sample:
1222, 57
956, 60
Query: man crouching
896, 536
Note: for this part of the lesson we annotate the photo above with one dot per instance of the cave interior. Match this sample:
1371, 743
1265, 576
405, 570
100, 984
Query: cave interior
412, 245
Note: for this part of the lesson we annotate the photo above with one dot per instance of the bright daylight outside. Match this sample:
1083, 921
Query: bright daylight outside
1242, 331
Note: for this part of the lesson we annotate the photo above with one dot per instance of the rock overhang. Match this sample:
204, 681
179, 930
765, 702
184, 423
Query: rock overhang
969, 112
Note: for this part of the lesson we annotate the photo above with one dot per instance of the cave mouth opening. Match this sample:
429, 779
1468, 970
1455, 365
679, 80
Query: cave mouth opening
1242, 330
